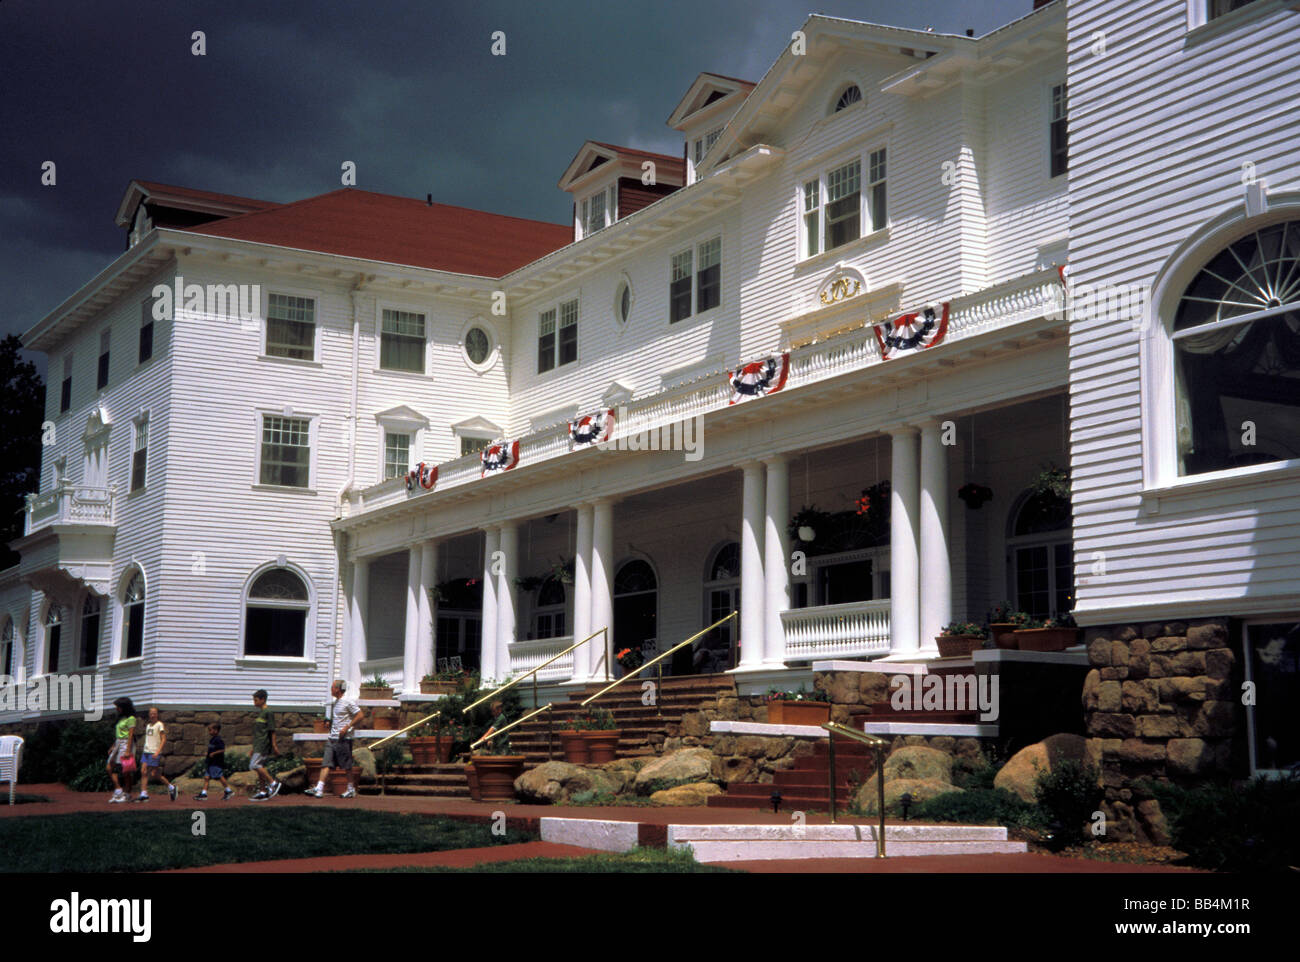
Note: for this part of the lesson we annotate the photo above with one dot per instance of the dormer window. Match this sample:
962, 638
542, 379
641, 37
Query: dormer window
598, 210
139, 225
849, 96
703, 144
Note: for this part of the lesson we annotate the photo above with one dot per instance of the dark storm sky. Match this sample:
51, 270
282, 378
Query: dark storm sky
288, 91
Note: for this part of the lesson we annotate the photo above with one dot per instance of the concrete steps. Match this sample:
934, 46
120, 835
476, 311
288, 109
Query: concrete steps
741, 843
432, 781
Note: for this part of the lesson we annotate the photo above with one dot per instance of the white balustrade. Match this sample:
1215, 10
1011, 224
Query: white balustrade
70, 505
527, 655
836, 631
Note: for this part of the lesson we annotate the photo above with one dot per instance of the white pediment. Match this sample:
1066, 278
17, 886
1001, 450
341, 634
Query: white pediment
617, 393
402, 416
560, 415
97, 424
478, 427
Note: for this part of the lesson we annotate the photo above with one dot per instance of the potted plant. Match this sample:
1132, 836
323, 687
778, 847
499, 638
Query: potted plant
975, 495
320, 725
602, 736
573, 741
376, 688
798, 707
1003, 623
443, 682
383, 719
959, 638
492, 777
338, 780
431, 743
630, 659
1056, 634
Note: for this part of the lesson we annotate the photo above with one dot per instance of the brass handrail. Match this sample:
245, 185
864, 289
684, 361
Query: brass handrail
835, 728
632, 674
496, 733
406, 729
533, 671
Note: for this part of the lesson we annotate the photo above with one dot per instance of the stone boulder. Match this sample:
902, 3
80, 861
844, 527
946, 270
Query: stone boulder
553, 782
293, 780
696, 793
1020, 773
918, 762
364, 759
685, 767
244, 783
921, 789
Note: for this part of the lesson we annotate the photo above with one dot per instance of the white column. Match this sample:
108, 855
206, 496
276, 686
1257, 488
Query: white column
752, 587
776, 559
602, 584
936, 585
357, 614
582, 658
904, 566
424, 661
411, 637
507, 595
488, 629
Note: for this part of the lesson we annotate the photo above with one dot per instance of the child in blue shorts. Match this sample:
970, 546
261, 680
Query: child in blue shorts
215, 763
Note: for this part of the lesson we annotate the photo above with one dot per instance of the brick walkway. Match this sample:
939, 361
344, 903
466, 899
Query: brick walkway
456, 858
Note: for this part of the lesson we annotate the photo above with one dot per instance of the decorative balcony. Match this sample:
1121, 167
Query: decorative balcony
837, 631
69, 504
1020, 300
527, 655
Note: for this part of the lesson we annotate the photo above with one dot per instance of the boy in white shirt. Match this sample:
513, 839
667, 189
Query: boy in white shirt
155, 740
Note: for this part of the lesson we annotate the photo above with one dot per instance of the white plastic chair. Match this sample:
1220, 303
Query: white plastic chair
11, 758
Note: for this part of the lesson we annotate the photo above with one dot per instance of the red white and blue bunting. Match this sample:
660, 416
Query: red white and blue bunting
424, 475
592, 429
912, 332
1063, 270
759, 378
501, 456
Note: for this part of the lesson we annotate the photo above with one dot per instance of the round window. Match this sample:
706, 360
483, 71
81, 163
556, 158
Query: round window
476, 345
623, 303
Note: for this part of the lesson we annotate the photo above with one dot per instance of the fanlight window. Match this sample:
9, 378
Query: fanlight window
276, 619
1236, 337
851, 95
634, 577
549, 619
726, 564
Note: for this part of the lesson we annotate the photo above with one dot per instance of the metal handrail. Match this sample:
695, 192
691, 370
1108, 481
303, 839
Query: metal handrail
550, 735
406, 729
497, 733
630, 675
835, 728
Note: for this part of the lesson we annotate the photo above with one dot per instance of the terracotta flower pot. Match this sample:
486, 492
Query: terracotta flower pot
575, 746
338, 780
957, 646
371, 693
496, 776
430, 749
471, 776
602, 746
798, 712
313, 770
438, 687
1004, 635
1046, 639
320, 726
384, 721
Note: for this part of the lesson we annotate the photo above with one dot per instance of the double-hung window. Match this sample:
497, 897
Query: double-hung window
401, 341
140, 454
831, 206
286, 451
876, 189
1219, 8
599, 210
1059, 144
695, 280
291, 327
101, 376
146, 330
65, 389
843, 205
557, 336
397, 454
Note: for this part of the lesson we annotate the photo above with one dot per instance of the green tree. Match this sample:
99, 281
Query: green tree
22, 409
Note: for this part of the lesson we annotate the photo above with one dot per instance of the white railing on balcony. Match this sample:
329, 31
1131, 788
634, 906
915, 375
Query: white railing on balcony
837, 631
527, 655
68, 504
1013, 302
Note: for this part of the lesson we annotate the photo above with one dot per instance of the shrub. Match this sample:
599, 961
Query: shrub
92, 778
1253, 826
981, 806
1068, 794
60, 752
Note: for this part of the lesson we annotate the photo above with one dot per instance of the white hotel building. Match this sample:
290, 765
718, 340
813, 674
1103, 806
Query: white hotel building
225, 506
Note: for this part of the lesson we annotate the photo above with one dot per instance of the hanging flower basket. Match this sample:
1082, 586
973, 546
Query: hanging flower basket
975, 495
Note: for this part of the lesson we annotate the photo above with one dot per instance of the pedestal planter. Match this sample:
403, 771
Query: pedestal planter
438, 687
374, 693
575, 747
384, 720
494, 777
430, 749
798, 712
958, 646
1046, 639
1004, 635
602, 746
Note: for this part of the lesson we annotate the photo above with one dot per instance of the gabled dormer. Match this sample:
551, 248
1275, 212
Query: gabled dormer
701, 115
147, 204
609, 182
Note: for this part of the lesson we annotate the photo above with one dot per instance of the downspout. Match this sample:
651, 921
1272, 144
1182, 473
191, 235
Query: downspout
348, 484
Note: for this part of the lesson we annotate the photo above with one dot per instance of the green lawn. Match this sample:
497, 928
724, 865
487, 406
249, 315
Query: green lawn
146, 841
639, 861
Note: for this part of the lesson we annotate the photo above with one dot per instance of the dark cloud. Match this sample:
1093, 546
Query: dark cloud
408, 90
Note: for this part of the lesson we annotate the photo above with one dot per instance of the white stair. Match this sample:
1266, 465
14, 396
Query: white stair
742, 843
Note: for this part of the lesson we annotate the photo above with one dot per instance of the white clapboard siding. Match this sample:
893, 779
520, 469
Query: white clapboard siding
1160, 127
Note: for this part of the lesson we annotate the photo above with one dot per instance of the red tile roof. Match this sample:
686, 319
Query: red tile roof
399, 230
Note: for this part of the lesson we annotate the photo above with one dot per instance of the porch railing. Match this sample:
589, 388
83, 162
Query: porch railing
829, 631
69, 504
527, 655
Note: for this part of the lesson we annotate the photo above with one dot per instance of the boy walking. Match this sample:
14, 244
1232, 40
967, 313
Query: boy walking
344, 714
155, 740
216, 763
264, 747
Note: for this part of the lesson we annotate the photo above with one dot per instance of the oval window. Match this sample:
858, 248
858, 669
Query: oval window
477, 345
623, 302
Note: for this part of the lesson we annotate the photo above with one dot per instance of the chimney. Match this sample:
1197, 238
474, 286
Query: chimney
970, 31
428, 199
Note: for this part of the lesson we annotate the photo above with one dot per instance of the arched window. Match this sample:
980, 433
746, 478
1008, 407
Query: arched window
635, 577
275, 621
7, 635
1236, 337
548, 619
725, 565
849, 96
53, 637
716, 652
91, 610
133, 616
1041, 552
636, 607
